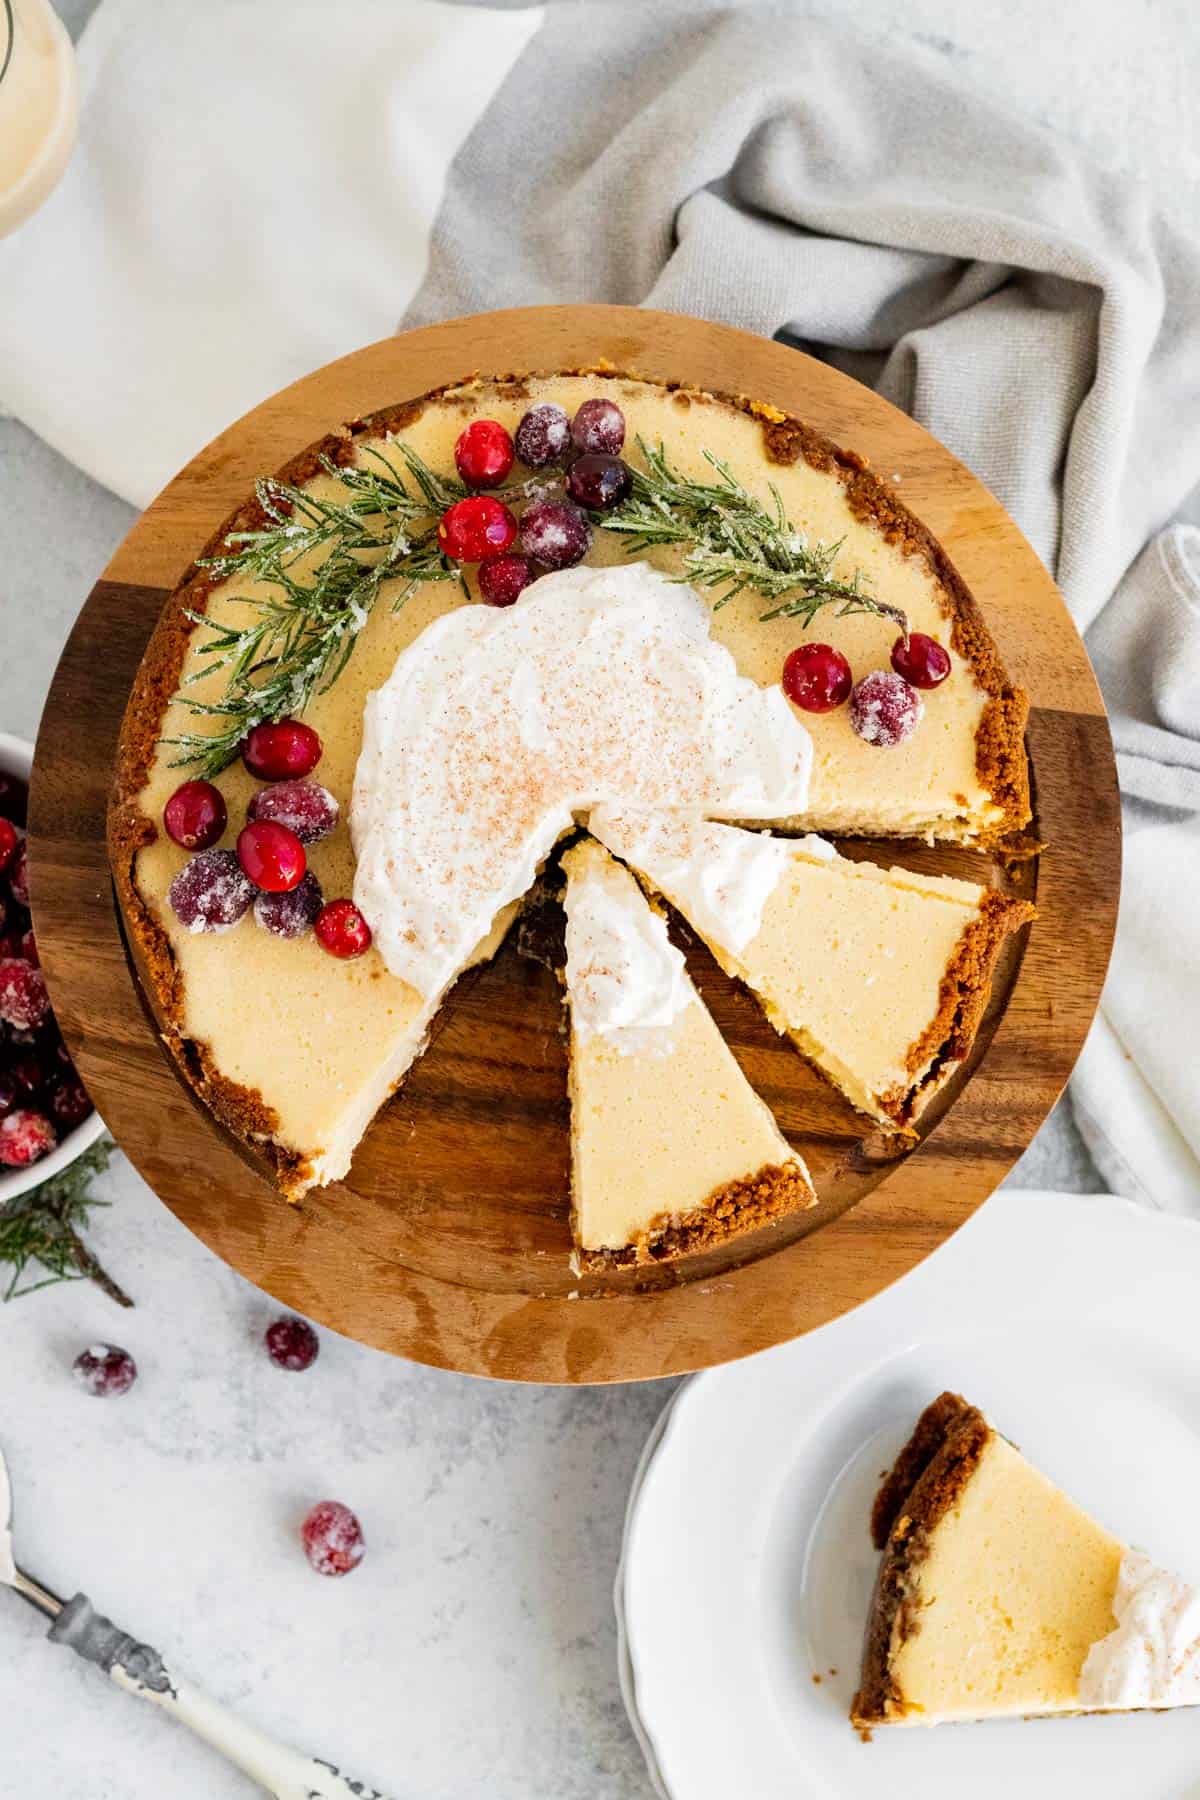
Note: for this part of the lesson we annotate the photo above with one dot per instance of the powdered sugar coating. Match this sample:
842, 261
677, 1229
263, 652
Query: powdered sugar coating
304, 807
543, 435
211, 892
555, 534
24, 1001
884, 709
292, 914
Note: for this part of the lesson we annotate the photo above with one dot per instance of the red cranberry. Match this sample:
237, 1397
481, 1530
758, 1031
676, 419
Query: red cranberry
104, 1369
283, 750
9, 840
24, 1001
502, 579
923, 662
555, 534
342, 930
194, 816
884, 710
599, 425
598, 482
272, 856
484, 453
8, 1093
14, 799
476, 528
543, 435
210, 892
293, 913
27, 1073
29, 949
332, 1538
18, 874
817, 678
292, 1343
25, 1135
304, 807
69, 1103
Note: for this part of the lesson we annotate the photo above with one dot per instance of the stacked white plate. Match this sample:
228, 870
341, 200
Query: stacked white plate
747, 1567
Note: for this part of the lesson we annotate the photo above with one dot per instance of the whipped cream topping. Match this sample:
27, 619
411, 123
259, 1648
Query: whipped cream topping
626, 981
1153, 1656
500, 727
720, 878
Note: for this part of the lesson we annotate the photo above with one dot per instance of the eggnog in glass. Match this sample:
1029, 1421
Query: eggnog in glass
38, 106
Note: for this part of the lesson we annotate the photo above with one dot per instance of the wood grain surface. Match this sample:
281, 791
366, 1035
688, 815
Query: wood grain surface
448, 1243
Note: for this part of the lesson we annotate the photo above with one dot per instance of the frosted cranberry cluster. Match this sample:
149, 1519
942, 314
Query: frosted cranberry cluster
885, 706
268, 870
41, 1095
554, 531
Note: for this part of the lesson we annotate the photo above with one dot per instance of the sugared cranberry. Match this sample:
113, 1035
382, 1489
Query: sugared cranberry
884, 710
476, 528
14, 799
543, 435
29, 948
503, 579
484, 453
599, 425
69, 1103
25, 1135
18, 874
332, 1538
923, 662
304, 807
284, 750
24, 1001
27, 1073
555, 533
194, 816
211, 892
817, 678
293, 913
104, 1369
272, 856
292, 1343
598, 482
9, 840
342, 930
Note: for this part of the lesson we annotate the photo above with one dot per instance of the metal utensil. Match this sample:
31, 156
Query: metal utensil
140, 1670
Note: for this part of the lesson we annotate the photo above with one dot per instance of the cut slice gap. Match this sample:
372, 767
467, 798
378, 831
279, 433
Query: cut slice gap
672, 1150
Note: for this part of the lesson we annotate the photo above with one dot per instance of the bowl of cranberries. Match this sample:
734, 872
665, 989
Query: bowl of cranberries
46, 1118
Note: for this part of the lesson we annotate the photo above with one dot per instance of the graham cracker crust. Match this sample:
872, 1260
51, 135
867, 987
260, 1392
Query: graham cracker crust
922, 1486
744, 1205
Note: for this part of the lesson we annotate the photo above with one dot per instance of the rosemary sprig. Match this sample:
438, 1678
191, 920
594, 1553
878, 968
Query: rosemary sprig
301, 636
42, 1227
734, 542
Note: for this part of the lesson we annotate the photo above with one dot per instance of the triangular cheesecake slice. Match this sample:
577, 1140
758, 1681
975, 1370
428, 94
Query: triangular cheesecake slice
879, 976
998, 1597
672, 1150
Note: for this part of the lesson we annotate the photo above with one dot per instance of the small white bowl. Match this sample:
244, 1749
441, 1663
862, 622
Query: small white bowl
16, 758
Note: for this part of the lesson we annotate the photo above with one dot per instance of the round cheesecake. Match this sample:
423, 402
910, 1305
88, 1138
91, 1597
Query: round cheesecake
342, 1034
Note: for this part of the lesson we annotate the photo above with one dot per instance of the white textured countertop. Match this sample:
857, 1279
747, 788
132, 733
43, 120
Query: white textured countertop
473, 1651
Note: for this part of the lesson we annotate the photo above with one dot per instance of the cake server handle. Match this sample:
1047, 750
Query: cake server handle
139, 1670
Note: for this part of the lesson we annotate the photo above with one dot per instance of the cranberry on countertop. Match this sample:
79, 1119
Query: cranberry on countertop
304, 807
503, 579
211, 892
555, 534
884, 709
292, 1343
272, 857
543, 436
104, 1370
922, 661
599, 425
817, 678
194, 816
332, 1538
283, 750
484, 453
475, 528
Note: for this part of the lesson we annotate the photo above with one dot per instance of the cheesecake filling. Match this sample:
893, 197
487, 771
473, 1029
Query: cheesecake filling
1153, 1656
499, 727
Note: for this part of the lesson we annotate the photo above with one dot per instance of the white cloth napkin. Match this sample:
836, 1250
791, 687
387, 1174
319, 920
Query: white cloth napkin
252, 195
260, 187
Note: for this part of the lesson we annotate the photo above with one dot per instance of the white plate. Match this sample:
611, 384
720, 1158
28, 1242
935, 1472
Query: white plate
747, 1566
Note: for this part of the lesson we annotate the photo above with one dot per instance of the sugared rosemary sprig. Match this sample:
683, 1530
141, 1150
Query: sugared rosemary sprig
41, 1229
302, 635
734, 542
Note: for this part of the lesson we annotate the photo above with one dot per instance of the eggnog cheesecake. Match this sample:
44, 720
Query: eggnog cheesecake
671, 1148
434, 641
998, 1597
879, 976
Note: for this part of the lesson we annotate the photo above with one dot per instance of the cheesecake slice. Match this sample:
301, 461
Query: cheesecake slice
999, 1597
672, 1150
879, 976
